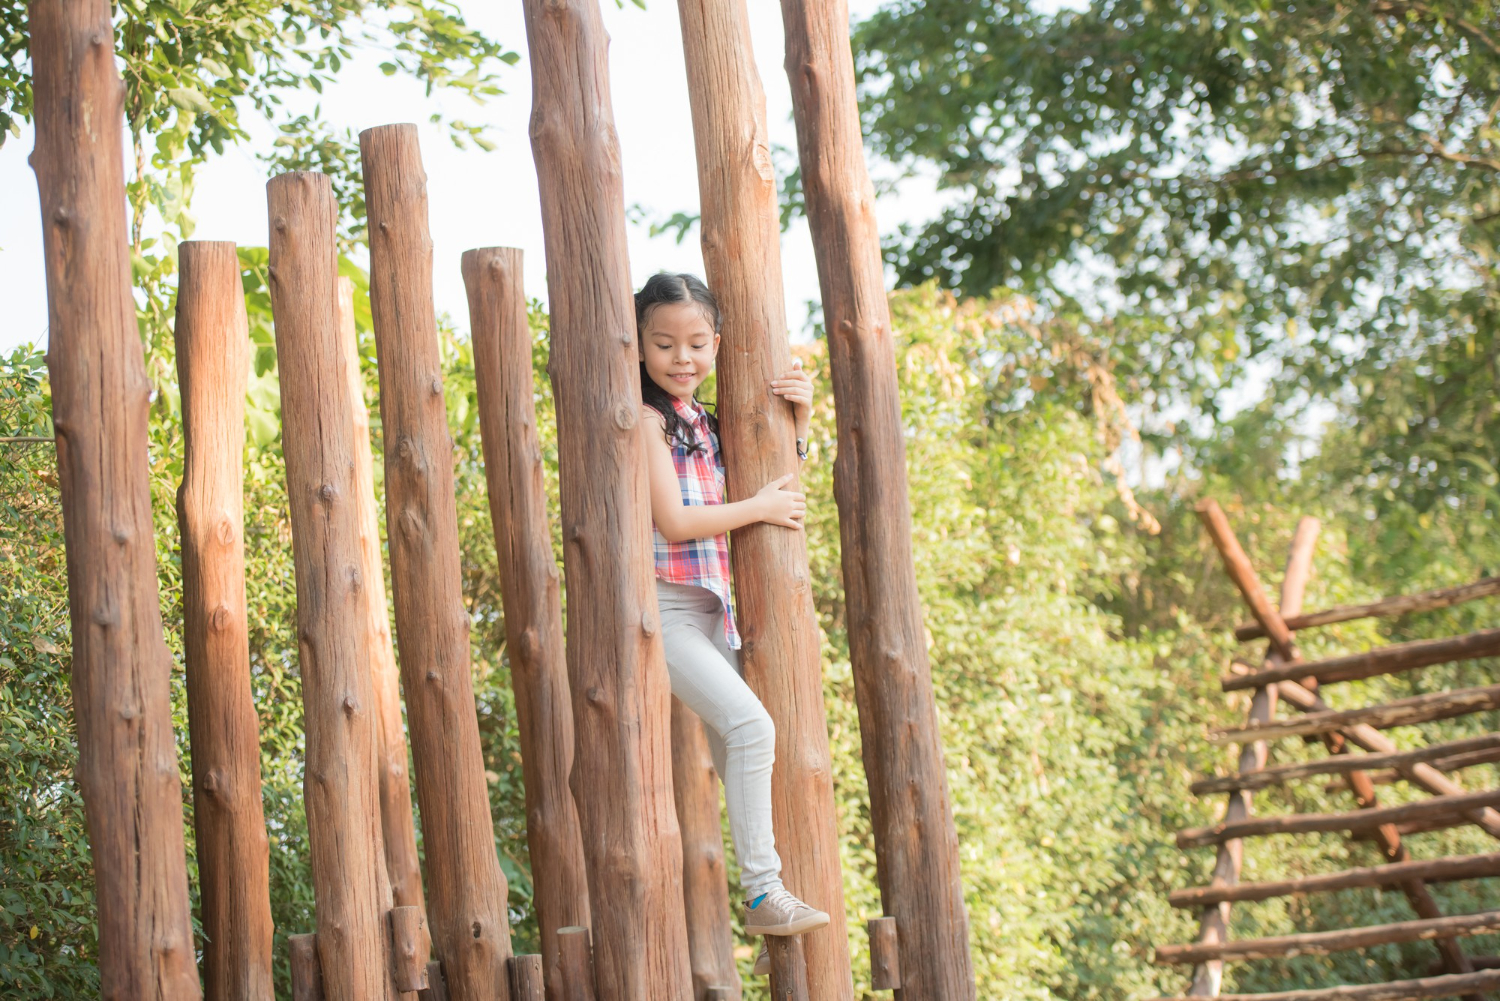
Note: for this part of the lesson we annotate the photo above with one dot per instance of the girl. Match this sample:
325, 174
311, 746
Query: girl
677, 327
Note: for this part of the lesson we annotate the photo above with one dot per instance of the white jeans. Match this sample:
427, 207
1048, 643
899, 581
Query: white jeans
705, 675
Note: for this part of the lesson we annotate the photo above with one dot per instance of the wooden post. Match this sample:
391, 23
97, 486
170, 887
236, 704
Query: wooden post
788, 968
410, 945
397, 829
437, 989
350, 885
529, 591
915, 839
781, 651
526, 980
705, 892
127, 759
575, 956
885, 955
307, 977
622, 766
466, 889
213, 364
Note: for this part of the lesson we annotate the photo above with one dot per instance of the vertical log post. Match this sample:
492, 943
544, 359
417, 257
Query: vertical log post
410, 945
788, 968
351, 889
302, 956
576, 957
885, 955
213, 364
622, 766
437, 989
465, 888
915, 839
772, 586
127, 759
526, 980
529, 591
398, 831
705, 891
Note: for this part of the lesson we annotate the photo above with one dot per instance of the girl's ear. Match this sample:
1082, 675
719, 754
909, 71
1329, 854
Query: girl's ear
716, 345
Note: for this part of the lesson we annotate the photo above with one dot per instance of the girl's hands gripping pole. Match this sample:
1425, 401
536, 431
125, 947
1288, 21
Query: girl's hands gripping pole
781, 507
796, 388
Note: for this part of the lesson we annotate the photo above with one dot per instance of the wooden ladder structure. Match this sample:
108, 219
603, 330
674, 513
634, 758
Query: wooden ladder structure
1284, 677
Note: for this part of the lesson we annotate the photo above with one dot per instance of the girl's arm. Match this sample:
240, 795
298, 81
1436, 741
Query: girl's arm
678, 522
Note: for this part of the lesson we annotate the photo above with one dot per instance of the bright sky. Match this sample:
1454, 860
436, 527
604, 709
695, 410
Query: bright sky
477, 198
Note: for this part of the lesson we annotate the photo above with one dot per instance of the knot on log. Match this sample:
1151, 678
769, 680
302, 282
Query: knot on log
226, 530
129, 711
437, 386
595, 695
625, 417
351, 705
60, 216
648, 625
221, 618
327, 492
530, 645
105, 616
213, 783
120, 534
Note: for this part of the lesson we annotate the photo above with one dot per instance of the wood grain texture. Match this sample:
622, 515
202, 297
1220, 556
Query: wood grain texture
411, 943
529, 591
302, 958
1401, 604
575, 955
1401, 712
1385, 660
788, 968
351, 889
1448, 756
781, 652
915, 839
466, 891
1358, 820
705, 891
885, 955
527, 979
1322, 943
1392, 874
399, 832
622, 764
121, 668
213, 365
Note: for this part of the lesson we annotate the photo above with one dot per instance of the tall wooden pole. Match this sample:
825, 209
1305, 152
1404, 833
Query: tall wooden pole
466, 889
622, 768
351, 889
705, 892
213, 364
127, 759
781, 653
529, 591
397, 830
915, 840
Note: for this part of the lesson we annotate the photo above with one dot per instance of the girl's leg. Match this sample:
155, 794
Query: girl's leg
740, 733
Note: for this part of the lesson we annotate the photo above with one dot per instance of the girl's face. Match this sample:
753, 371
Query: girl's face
678, 346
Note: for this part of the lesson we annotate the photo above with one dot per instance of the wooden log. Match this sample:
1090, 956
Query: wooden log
351, 889
213, 364
398, 832
722, 992
121, 668
916, 842
1428, 870
1440, 755
307, 976
437, 988
529, 591
622, 764
527, 982
1401, 604
1358, 820
1450, 985
1324, 942
1371, 739
1240, 571
575, 956
1213, 924
1386, 660
466, 890
1402, 712
788, 968
705, 891
781, 653
885, 955
410, 946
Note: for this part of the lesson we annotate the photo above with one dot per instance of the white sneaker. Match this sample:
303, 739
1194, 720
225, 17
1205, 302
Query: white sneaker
777, 912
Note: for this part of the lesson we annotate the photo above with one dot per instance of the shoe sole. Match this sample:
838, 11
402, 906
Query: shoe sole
791, 928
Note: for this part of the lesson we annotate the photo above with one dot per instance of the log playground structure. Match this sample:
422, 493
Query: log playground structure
622, 811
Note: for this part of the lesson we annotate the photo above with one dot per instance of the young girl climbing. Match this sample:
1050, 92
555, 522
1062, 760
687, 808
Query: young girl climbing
677, 325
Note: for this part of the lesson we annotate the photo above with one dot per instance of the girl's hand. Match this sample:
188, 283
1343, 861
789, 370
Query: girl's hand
781, 507
796, 388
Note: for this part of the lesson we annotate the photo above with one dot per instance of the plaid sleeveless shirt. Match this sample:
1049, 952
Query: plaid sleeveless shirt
700, 474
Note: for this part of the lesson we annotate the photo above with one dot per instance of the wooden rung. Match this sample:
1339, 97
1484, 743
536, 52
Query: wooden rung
1401, 604
1450, 985
1320, 943
1402, 712
1384, 660
1437, 754
1356, 820
1428, 870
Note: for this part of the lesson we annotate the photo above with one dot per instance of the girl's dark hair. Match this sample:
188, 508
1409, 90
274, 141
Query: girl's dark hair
665, 287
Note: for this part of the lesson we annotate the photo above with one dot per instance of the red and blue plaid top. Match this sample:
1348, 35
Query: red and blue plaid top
700, 474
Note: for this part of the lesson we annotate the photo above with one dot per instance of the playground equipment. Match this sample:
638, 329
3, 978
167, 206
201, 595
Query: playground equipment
1284, 677
622, 814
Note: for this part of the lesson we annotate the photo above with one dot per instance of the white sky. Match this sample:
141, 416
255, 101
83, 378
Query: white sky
478, 198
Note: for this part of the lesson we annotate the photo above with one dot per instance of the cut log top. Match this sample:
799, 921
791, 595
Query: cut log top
1401, 604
